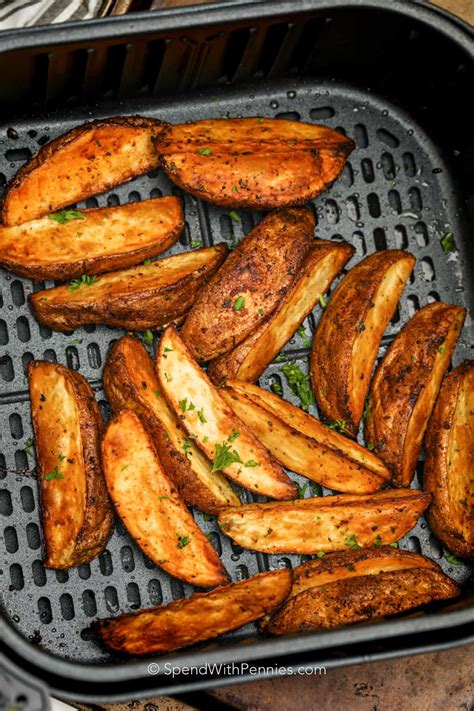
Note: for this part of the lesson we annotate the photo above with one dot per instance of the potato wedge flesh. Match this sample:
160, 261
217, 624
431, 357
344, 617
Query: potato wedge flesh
210, 421
461, 459
196, 618
158, 521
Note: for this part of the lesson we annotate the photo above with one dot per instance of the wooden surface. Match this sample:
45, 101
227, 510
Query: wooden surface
443, 681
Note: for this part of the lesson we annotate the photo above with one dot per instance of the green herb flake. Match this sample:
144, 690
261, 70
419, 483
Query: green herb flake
156, 393
351, 542
299, 384
148, 337
234, 434
205, 439
451, 558
260, 120
302, 490
62, 218
61, 457
371, 446
28, 448
224, 457
322, 301
147, 262
302, 334
276, 388
378, 541
441, 350
393, 545
204, 151
183, 404
201, 415
183, 541
338, 425
239, 304
55, 474
252, 463
75, 342
84, 280
320, 554
196, 243
448, 243
235, 189
235, 216
163, 497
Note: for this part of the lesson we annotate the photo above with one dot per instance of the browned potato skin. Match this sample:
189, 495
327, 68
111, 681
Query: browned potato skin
82, 162
196, 618
253, 162
342, 326
133, 298
412, 368
261, 269
250, 357
449, 464
127, 363
363, 598
98, 517
44, 249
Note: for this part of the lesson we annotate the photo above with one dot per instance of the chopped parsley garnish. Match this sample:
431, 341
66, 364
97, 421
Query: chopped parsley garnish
302, 490
235, 189
302, 334
351, 541
371, 446
276, 387
62, 218
28, 448
204, 151
234, 434
367, 409
163, 497
225, 456
208, 517
61, 457
322, 301
185, 406
339, 426
448, 243
239, 304
84, 280
75, 342
299, 384
201, 415
55, 474
378, 541
196, 243
235, 216
183, 541
451, 558
260, 120
441, 350
261, 312
156, 393
252, 463
148, 337
320, 554
146, 262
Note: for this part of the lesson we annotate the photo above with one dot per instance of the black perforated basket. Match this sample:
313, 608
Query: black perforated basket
397, 77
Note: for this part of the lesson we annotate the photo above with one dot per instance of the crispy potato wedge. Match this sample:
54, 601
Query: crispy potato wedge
348, 336
250, 357
362, 598
449, 464
76, 513
86, 161
406, 384
301, 443
196, 618
250, 284
212, 425
151, 507
253, 162
130, 381
99, 240
325, 524
139, 298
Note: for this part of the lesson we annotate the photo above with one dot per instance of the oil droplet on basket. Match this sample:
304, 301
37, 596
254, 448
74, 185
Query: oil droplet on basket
291, 94
15, 618
274, 104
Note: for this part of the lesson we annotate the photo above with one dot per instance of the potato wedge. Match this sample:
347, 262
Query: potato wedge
406, 384
348, 336
151, 507
301, 443
361, 598
86, 161
95, 241
253, 162
325, 524
139, 298
449, 464
76, 513
130, 381
196, 618
250, 357
212, 425
250, 284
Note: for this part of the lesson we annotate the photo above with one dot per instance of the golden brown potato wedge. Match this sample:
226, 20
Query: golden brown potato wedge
86, 161
361, 598
94, 241
196, 618
250, 284
449, 467
325, 524
211, 423
148, 296
76, 512
130, 381
301, 443
348, 336
250, 357
406, 384
253, 162
151, 507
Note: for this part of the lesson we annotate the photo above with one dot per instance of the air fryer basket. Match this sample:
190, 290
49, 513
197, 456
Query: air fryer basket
395, 79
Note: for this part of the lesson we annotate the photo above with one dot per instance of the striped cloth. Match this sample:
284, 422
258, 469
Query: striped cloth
24, 13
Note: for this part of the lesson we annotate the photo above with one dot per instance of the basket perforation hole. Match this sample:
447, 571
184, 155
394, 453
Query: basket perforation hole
409, 165
396, 316
185, 237
360, 135
367, 168
6, 508
17, 292
27, 499
242, 572
413, 304
3, 472
291, 115
62, 576
16, 425
387, 137
283, 563
127, 559
414, 544
105, 563
66, 604
421, 232
23, 329
322, 112
89, 327
11, 539
21, 459
177, 589
18, 155
433, 296
247, 223
88, 603
358, 240
16, 577
373, 204
347, 175
134, 196
427, 269
394, 201
3, 333
380, 239
33, 536
401, 237
215, 542
93, 356
111, 599
39, 573
44, 609
388, 166
156, 193
50, 355
352, 207
331, 210
92, 203
72, 358
436, 549
414, 199
155, 593
113, 200
25, 360
133, 596
45, 332
6, 368
84, 571
225, 224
